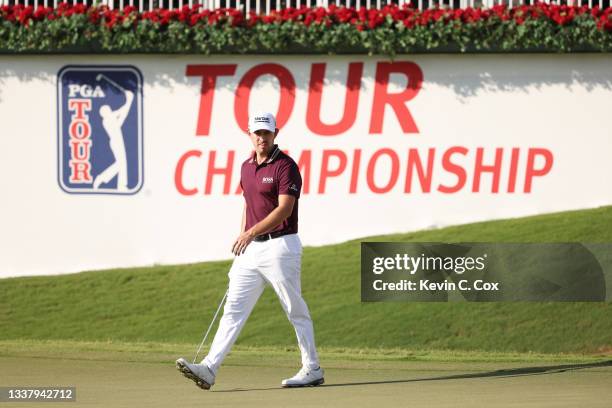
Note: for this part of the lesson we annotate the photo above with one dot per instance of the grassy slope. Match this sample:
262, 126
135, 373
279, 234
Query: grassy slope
176, 303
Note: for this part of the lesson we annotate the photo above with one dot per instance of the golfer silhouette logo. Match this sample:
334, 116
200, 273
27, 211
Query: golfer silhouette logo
100, 129
112, 121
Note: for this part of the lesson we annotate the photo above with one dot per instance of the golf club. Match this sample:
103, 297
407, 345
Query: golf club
210, 327
99, 77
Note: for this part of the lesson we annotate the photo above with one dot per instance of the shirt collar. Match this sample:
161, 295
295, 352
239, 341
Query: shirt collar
273, 155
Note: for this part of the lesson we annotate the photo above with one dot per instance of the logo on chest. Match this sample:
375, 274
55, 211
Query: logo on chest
267, 180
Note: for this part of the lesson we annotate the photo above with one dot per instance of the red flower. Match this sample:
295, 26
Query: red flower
24, 15
562, 15
112, 21
252, 20
193, 20
79, 8
151, 16
320, 13
363, 14
236, 18
308, 20
42, 12
605, 21
409, 23
94, 16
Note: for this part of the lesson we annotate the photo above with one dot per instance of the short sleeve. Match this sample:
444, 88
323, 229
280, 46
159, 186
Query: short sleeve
290, 180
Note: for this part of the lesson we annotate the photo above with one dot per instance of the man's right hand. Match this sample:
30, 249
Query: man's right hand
242, 242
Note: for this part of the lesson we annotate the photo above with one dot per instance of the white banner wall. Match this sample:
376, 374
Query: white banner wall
117, 161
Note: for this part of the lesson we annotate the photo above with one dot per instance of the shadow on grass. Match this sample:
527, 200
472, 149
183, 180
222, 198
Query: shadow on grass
512, 372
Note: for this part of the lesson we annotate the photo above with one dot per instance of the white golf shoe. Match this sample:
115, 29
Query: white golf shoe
305, 378
198, 373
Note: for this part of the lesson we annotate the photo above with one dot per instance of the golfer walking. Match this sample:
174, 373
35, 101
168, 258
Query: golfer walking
268, 251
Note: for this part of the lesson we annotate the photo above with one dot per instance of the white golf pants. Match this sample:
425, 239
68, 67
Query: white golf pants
276, 262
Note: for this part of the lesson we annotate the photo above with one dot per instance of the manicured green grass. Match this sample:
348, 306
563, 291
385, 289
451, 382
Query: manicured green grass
174, 304
117, 374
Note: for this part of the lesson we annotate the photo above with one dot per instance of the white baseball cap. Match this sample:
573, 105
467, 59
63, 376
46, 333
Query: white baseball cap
262, 120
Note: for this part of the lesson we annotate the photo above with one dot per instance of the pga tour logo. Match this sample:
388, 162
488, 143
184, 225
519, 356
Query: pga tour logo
100, 129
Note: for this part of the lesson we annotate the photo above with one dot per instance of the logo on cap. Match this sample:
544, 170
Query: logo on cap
262, 120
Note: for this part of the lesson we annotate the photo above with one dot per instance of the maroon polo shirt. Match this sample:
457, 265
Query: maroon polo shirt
262, 184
